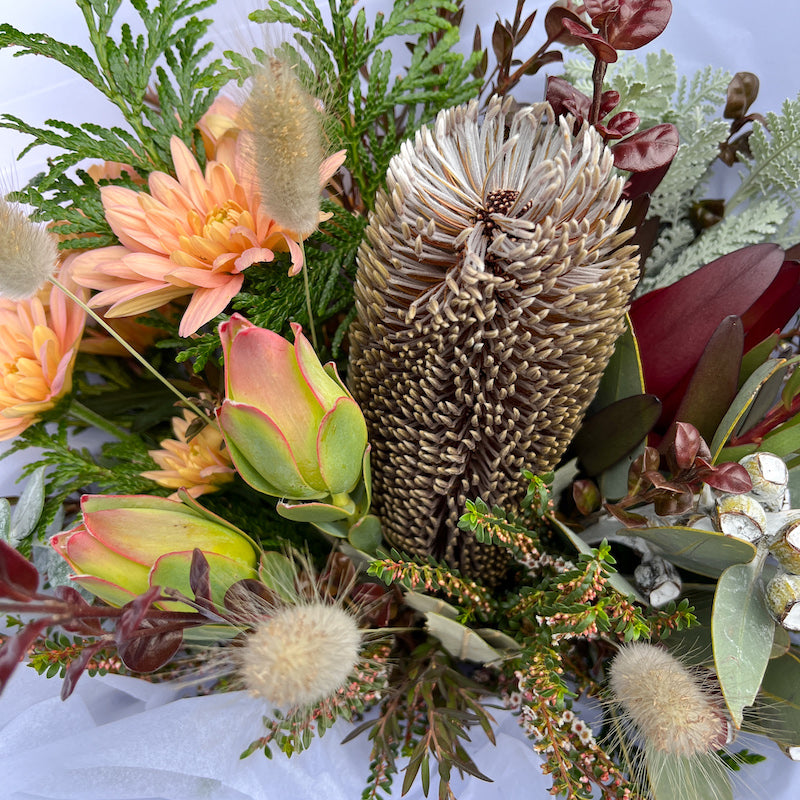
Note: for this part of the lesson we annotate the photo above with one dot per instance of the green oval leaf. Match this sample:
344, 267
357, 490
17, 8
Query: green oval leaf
742, 631
704, 552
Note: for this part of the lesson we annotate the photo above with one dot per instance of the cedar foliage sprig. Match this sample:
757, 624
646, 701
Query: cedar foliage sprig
157, 79
345, 62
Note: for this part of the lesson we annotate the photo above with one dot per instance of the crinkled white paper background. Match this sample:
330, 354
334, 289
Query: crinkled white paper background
124, 739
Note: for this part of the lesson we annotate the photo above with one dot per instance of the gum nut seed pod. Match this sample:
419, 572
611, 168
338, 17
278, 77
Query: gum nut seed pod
770, 478
783, 599
785, 545
742, 517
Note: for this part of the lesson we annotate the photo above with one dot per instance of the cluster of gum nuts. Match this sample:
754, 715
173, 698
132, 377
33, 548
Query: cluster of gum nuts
764, 518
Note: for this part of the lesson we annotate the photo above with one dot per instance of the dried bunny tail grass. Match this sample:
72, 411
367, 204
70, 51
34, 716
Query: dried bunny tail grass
28, 253
287, 146
665, 702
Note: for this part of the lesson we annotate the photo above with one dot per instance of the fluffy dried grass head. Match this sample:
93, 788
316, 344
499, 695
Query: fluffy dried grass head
492, 285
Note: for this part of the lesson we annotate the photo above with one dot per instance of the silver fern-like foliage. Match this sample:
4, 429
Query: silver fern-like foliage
492, 284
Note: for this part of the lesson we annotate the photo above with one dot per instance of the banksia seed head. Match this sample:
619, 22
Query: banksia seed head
28, 253
665, 703
491, 287
286, 146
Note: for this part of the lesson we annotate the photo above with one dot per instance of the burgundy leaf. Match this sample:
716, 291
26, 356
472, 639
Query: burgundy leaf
146, 653
502, 43
247, 595
641, 183
667, 504
636, 22
665, 484
715, 379
608, 102
742, 92
586, 496
524, 28
647, 150
707, 213
777, 305
200, 580
621, 124
597, 45
15, 648
554, 25
599, 10
19, 579
673, 324
728, 477
627, 518
77, 666
550, 57
133, 613
681, 445
566, 99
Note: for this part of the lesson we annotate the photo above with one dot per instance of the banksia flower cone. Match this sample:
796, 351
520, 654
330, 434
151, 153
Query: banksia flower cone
492, 285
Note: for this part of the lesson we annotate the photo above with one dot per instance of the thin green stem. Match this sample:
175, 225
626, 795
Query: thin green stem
143, 361
83, 414
307, 289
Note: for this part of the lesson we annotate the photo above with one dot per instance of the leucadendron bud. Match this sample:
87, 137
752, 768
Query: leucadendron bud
128, 543
783, 599
291, 426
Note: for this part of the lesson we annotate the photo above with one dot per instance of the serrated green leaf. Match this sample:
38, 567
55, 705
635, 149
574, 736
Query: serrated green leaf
742, 631
707, 553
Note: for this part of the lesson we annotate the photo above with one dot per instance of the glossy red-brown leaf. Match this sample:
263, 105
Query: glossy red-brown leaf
566, 99
554, 25
339, 574
620, 125
629, 519
728, 477
742, 92
19, 579
599, 10
644, 183
146, 653
550, 57
648, 461
668, 504
681, 445
706, 213
715, 379
637, 22
673, 324
608, 102
586, 496
133, 613
522, 32
647, 150
665, 484
598, 45
502, 43
15, 648
249, 596
200, 579
77, 666
777, 305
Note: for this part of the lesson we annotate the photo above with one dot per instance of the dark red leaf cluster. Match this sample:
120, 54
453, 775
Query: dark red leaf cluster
671, 475
144, 635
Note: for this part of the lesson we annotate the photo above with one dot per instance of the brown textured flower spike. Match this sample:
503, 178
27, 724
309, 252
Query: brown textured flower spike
492, 285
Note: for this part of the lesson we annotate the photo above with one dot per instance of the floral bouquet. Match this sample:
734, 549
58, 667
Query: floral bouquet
419, 396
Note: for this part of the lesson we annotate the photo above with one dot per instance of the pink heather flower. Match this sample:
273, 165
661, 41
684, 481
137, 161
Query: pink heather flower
39, 340
200, 464
190, 235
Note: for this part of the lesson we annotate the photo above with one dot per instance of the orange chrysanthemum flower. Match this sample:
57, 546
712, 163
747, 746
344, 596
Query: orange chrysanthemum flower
200, 464
39, 340
193, 235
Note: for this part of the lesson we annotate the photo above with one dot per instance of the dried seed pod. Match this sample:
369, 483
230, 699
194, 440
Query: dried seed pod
770, 478
783, 599
785, 545
492, 285
742, 517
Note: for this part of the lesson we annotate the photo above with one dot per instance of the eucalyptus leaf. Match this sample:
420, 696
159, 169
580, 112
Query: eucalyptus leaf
699, 777
425, 603
744, 399
707, 553
28, 508
742, 630
459, 640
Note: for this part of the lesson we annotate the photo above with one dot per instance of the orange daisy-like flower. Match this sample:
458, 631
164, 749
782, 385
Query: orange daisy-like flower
189, 235
39, 340
200, 464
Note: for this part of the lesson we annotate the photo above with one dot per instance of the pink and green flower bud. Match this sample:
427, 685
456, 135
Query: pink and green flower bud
291, 427
128, 543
